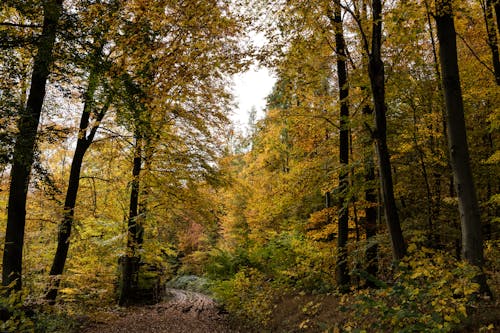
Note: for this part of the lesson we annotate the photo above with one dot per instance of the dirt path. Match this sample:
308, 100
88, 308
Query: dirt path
184, 311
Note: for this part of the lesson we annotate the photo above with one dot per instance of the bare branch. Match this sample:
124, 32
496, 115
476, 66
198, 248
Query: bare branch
475, 54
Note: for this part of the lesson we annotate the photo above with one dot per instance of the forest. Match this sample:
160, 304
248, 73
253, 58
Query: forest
365, 199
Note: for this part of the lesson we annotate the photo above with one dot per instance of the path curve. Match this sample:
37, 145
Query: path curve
182, 311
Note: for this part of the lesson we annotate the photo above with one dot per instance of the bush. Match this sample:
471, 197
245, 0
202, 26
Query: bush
248, 295
191, 283
13, 311
431, 293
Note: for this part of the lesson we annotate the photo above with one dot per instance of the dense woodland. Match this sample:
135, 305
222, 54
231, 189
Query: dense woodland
366, 199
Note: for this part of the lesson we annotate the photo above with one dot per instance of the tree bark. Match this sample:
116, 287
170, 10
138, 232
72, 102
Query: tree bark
133, 235
130, 262
83, 143
496, 6
492, 38
377, 80
342, 273
24, 148
472, 243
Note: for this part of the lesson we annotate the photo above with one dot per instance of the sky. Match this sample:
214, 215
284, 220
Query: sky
251, 89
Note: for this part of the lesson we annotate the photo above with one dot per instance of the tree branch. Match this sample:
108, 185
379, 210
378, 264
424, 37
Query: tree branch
20, 25
474, 53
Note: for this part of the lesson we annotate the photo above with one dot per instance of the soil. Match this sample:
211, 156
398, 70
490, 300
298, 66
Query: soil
181, 311
190, 312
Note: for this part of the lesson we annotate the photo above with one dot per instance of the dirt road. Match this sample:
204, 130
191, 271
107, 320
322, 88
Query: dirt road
181, 312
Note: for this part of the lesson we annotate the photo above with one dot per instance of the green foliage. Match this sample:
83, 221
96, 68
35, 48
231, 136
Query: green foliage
27, 317
247, 282
224, 264
12, 308
56, 321
288, 259
296, 262
248, 295
191, 283
430, 293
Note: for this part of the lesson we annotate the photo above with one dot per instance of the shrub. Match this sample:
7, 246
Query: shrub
13, 311
191, 283
431, 293
247, 295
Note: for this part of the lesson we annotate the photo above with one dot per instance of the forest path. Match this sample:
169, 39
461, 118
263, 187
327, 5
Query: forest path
181, 311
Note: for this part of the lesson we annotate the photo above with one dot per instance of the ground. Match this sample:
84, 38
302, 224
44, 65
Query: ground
191, 312
181, 311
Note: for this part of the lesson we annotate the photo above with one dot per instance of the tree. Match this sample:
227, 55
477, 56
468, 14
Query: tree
97, 100
343, 84
377, 80
491, 31
472, 242
24, 147
86, 134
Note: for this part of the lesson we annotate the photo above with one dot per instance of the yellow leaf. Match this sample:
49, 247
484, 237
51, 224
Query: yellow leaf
462, 310
68, 291
412, 248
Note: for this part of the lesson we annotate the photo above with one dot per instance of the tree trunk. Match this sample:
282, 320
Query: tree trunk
492, 38
130, 267
496, 5
472, 243
377, 77
133, 228
342, 274
24, 148
83, 143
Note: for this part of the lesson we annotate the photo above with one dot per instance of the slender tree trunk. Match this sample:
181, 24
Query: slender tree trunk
133, 229
377, 78
436, 238
130, 262
83, 143
492, 38
342, 273
371, 190
496, 6
24, 148
472, 242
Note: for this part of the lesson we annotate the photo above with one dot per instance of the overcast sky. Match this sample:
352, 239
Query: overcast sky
251, 89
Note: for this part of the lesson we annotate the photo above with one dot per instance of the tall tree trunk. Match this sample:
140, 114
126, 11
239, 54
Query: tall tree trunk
472, 242
133, 228
492, 38
83, 143
443, 142
24, 148
377, 78
496, 6
342, 273
130, 262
